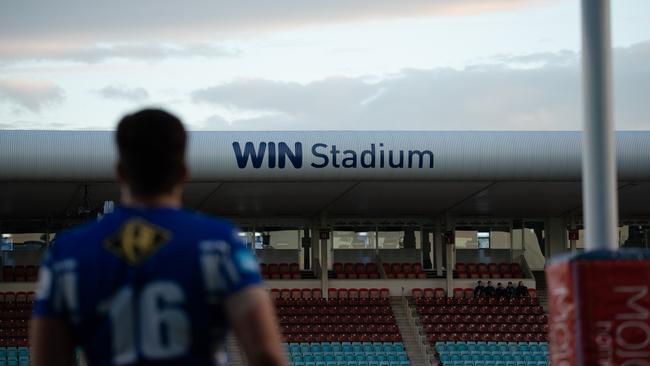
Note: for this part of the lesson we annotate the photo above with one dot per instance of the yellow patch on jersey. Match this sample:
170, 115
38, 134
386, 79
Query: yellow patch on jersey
137, 240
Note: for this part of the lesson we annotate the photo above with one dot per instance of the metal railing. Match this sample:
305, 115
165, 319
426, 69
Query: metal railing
421, 339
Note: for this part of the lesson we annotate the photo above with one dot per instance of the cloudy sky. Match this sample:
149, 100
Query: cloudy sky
313, 65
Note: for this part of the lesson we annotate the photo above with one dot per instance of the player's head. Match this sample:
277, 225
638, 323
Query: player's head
151, 145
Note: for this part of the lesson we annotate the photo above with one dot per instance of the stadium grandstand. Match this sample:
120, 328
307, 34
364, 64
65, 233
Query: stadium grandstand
372, 243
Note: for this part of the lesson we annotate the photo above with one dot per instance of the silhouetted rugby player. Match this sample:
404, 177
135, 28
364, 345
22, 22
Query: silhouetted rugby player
151, 284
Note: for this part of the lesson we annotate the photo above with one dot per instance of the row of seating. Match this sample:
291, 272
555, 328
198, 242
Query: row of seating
532, 300
316, 328
404, 270
342, 337
481, 318
332, 293
481, 309
280, 271
485, 328
487, 337
338, 319
331, 302
488, 270
355, 271
346, 353
504, 347
321, 311
19, 273
345, 347
14, 356
508, 353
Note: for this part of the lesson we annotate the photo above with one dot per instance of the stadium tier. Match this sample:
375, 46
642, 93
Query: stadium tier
348, 317
15, 310
492, 353
404, 270
19, 273
355, 271
489, 270
347, 354
280, 271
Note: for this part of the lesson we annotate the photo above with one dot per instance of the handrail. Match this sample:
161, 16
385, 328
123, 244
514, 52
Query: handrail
421, 340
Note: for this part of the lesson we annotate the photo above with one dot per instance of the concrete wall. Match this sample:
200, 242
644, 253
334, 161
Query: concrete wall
400, 255
271, 255
353, 255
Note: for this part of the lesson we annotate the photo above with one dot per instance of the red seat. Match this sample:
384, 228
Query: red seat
374, 293
348, 268
395, 268
306, 293
343, 293
407, 268
469, 293
332, 293
472, 268
364, 293
360, 268
353, 293
416, 292
283, 268
294, 267
482, 268
429, 293
440, 292
493, 267
273, 268
337, 267
417, 267
460, 267
7, 274
384, 293
285, 293
459, 292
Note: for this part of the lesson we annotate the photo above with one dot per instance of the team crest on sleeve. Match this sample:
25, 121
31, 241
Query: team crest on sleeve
137, 240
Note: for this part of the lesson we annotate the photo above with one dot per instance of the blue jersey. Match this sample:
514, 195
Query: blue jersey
146, 286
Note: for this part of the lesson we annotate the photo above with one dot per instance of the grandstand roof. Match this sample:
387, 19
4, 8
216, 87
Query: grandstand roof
343, 173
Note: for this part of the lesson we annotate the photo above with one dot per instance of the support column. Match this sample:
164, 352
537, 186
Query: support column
324, 261
437, 247
451, 263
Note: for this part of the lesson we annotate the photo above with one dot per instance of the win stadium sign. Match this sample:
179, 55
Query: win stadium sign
283, 155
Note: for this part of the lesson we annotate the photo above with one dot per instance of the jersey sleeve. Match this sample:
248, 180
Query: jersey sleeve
44, 305
245, 263
228, 266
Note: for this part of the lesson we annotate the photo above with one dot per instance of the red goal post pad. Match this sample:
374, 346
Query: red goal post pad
599, 308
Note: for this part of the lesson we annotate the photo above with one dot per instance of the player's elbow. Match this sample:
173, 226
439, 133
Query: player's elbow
267, 357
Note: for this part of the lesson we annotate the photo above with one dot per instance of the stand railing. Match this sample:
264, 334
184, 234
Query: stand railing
421, 339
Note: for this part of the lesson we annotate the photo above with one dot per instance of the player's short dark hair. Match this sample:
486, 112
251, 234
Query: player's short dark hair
151, 145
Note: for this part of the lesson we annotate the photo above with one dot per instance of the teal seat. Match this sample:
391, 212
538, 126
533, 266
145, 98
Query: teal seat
3, 353
12, 352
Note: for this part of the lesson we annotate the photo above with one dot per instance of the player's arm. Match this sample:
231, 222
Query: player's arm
252, 315
50, 342
50, 335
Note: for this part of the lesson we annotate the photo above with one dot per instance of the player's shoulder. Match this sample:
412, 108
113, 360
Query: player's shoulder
211, 227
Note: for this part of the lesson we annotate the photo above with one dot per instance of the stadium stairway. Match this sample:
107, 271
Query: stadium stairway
542, 290
235, 356
408, 332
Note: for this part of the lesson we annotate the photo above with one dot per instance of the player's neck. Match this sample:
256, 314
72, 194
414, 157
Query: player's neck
167, 200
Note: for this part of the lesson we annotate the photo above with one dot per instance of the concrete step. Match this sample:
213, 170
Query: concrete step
235, 356
408, 333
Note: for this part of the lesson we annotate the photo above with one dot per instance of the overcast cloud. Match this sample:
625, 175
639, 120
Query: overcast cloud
32, 95
71, 29
124, 93
98, 53
540, 91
